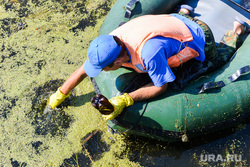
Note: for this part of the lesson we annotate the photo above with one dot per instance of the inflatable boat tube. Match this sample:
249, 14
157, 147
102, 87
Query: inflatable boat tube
176, 115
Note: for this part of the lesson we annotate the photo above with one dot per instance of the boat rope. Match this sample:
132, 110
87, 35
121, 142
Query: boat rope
220, 84
111, 130
137, 119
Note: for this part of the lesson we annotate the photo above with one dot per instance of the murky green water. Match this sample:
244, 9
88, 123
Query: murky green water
42, 43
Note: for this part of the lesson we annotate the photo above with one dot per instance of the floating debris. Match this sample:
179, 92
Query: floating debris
93, 148
21, 26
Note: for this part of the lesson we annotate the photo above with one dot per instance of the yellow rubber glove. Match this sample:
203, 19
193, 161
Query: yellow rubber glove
57, 98
119, 103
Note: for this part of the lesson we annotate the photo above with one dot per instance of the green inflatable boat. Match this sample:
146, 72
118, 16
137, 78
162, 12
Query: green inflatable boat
212, 102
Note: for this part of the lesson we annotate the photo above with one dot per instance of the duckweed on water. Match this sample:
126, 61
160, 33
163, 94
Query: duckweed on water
52, 122
34, 61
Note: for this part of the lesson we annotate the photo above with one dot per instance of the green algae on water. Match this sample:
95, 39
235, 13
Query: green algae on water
34, 61
52, 44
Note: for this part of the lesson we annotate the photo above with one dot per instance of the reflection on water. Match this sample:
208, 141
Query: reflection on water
233, 141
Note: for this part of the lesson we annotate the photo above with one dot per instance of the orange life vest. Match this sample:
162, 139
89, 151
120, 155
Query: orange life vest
135, 33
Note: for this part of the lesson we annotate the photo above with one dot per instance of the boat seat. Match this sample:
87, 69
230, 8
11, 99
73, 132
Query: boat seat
218, 14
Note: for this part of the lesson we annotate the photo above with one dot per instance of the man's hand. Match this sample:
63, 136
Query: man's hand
57, 98
119, 103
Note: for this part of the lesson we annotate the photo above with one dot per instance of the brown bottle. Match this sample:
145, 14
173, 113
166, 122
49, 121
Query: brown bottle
102, 104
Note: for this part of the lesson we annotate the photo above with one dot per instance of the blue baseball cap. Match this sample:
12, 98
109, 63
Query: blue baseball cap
102, 51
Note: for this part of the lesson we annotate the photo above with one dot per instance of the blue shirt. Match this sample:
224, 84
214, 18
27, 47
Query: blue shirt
157, 50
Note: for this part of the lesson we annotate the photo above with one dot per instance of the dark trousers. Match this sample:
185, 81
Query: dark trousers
216, 56
220, 55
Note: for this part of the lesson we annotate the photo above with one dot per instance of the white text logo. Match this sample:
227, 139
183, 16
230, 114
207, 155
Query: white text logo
220, 158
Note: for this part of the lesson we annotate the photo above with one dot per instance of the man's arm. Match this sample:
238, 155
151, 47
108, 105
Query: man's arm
73, 80
63, 92
147, 92
125, 100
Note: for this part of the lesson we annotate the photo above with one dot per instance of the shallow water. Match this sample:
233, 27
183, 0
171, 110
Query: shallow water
42, 43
